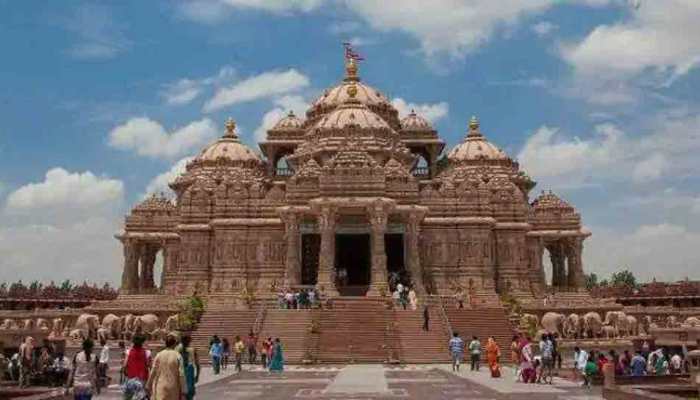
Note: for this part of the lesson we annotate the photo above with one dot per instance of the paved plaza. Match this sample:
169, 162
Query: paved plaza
373, 382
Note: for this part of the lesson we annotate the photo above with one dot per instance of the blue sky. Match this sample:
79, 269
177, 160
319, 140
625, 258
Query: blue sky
102, 102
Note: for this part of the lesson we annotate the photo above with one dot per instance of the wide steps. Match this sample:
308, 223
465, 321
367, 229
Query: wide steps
482, 322
223, 323
292, 328
417, 345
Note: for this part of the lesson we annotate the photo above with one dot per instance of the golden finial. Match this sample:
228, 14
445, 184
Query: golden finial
352, 91
230, 128
351, 70
474, 127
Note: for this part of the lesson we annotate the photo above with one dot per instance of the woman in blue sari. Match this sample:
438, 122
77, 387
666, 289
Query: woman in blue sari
277, 362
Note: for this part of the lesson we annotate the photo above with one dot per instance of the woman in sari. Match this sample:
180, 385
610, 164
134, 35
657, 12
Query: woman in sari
190, 362
515, 356
493, 353
277, 361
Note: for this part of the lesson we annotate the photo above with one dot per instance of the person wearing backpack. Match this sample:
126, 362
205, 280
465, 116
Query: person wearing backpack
136, 364
83, 374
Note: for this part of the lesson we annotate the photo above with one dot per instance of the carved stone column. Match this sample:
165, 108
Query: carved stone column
148, 259
292, 272
378, 217
326, 263
413, 251
576, 279
558, 257
130, 275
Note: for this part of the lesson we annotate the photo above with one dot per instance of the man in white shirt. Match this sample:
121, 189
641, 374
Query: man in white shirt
676, 364
104, 360
580, 360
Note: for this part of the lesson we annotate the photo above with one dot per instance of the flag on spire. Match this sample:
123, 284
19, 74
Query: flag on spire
350, 54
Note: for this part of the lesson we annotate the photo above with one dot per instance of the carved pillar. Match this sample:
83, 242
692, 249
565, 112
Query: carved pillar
292, 272
148, 259
130, 276
576, 279
413, 251
378, 217
326, 264
559, 279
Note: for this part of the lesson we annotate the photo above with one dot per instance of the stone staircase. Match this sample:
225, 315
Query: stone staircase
292, 327
355, 330
417, 345
482, 322
224, 323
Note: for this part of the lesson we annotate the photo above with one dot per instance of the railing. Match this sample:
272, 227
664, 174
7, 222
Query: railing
443, 314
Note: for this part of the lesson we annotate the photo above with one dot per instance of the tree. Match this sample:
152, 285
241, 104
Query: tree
591, 280
623, 278
191, 309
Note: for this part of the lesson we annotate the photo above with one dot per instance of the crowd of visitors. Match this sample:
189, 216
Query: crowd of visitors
270, 351
298, 300
36, 364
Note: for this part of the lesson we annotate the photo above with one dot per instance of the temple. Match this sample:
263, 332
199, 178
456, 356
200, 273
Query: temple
353, 188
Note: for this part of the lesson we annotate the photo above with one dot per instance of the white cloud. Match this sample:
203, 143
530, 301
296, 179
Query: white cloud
61, 190
544, 28
455, 28
665, 251
62, 228
655, 46
185, 90
283, 105
216, 11
267, 84
99, 36
159, 184
433, 112
149, 138
612, 154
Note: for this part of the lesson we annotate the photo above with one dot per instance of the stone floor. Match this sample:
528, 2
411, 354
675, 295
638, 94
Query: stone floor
374, 382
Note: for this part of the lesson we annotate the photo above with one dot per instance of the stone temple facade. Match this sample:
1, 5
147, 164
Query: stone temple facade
352, 188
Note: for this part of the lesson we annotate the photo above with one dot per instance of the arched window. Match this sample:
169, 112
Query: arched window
282, 167
421, 167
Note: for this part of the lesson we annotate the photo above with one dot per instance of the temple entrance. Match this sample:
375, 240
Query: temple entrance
310, 247
353, 263
393, 244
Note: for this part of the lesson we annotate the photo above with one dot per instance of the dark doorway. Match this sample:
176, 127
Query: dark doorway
395, 264
310, 247
352, 255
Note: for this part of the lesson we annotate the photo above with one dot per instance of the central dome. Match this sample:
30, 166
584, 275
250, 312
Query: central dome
336, 96
475, 147
228, 148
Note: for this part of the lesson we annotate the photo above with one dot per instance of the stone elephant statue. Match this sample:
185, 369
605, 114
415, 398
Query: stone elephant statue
632, 326
647, 324
159, 334
146, 323
113, 325
88, 324
609, 331
9, 324
28, 324
172, 323
692, 321
572, 326
57, 327
592, 324
103, 334
43, 324
128, 323
553, 322
76, 334
618, 319
672, 322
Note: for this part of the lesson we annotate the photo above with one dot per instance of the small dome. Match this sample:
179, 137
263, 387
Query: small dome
414, 122
154, 204
550, 201
352, 112
338, 95
289, 122
228, 148
476, 147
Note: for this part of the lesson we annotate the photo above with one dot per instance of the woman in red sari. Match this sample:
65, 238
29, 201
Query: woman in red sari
493, 353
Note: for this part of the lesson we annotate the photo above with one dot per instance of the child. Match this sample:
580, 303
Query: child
589, 372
